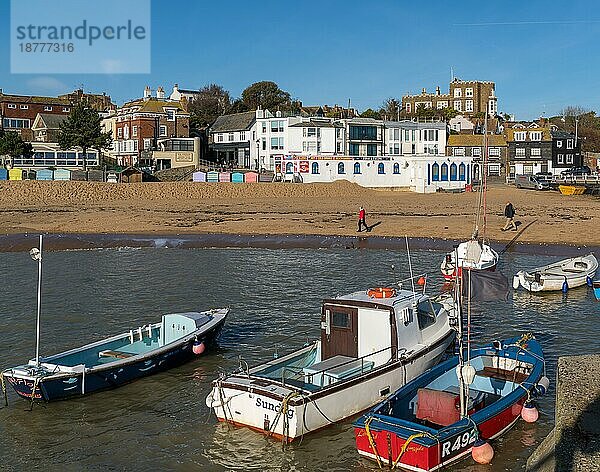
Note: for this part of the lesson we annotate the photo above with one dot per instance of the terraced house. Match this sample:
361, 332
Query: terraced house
529, 147
473, 145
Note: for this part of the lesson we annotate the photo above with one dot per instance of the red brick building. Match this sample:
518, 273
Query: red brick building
139, 124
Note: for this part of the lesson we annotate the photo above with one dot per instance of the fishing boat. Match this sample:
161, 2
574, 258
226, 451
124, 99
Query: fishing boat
476, 253
442, 416
596, 286
114, 361
371, 342
562, 275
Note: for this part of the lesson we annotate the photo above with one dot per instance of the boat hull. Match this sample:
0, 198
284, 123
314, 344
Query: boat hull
488, 260
65, 386
245, 402
547, 279
596, 285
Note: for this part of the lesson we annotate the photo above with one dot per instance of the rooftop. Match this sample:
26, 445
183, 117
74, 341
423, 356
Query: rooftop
34, 99
475, 140
234, 122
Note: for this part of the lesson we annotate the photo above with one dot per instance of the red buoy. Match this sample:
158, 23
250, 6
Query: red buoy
529, 413
198, 348
482, 452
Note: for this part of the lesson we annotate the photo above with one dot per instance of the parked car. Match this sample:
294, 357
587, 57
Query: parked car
581, 170
531, 181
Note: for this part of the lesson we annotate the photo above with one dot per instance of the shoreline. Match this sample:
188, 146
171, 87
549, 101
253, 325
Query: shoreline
22, 242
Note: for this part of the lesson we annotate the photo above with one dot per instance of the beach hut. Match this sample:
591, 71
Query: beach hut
237, 177
78, 175
265, 177
199, 176
251, 177
30, 174
212, 176
62, 174
44, 174
130, 174
15, 174
3, 174
224, 176
95, 175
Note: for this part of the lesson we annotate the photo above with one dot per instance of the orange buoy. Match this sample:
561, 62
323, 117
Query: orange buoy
381, 292
529, 413
421, 281
482, 452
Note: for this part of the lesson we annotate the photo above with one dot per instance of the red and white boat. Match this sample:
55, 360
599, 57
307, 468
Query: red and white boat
471, 255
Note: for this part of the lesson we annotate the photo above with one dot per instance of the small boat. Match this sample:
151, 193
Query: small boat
471, 255
372, 341
561, 275
112, 362
571, 189
439, 418
596, 286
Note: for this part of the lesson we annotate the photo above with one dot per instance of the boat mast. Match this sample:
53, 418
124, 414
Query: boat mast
481, 201
458, 302
36, 255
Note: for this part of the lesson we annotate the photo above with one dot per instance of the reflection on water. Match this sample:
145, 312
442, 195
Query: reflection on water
162, 422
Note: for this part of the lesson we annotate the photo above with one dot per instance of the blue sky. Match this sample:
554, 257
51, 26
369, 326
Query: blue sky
543, 55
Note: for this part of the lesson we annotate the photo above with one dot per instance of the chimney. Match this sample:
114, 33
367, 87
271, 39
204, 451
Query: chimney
147, 92
437, 90
424, 91
160, 92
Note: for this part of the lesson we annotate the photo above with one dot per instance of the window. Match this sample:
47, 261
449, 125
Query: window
560, 159
134, 131
242, 136
146, 143
520, 136
24, 107
47, 108
340, 319
276, 143
457, 93
276, 126
536, 152
461, 171
309, 146
264, 126
520, 152
66, 109
476, 152
569, 158
371, 149
264, 144
396, 168
444, 172
570, 143
135, 145
310, 132
406, 135
469, 92
341, 169
431, 149
430, 135
363, 132
440, 105
453, 171
231, 137
435, 172
162, 130
15, 123
535, 135
170, 115
469, 105
357, 168
380, 168
396, 149
120, 133
458, 151
353, 149
12, 105
289, 168
315, 168
407, 108
494, 152
559, 143
338, 147
457, 105
220, 137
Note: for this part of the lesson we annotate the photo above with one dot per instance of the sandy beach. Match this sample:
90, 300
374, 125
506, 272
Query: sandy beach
281, 209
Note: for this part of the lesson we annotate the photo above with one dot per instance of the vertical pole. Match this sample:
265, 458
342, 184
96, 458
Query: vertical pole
39, 307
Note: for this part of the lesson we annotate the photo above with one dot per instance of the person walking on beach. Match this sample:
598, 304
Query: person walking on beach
509, 213
362, 220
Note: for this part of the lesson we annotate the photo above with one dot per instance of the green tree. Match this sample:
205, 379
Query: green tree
266, 95
11, 144
211, 102
82, 129
391, 108
370, 113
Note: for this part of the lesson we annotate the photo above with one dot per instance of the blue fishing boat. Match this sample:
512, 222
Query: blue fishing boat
596, 286
453, 408
117, 360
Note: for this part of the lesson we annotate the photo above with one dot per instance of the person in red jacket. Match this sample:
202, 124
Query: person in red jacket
362, 220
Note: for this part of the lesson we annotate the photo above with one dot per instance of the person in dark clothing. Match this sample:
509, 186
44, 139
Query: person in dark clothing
509, 213
362, 220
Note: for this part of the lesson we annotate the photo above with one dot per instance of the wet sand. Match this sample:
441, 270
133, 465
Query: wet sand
307, 212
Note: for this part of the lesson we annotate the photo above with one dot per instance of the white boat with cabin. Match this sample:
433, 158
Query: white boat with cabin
372, 342
574, 272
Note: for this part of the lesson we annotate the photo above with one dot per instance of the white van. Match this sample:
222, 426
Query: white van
531, 181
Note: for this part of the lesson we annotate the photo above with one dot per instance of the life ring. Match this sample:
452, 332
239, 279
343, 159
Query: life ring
381, 292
